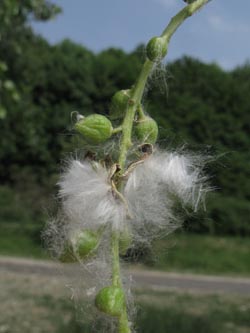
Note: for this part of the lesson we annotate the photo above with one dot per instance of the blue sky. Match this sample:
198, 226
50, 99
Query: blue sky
219, 33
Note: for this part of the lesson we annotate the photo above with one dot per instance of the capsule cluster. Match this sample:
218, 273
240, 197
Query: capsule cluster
96, 129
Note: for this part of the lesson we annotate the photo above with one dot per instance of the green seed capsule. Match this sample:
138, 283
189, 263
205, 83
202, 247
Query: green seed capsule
95, 128
110, 300
80, 246
146, 130
86, 242
156, 49
119, 103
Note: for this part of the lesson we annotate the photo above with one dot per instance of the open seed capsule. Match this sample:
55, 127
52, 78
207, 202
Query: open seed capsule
110, 300
95, 128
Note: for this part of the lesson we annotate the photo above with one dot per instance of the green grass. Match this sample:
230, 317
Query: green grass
21, 242
156, 312
202, 254
186, 313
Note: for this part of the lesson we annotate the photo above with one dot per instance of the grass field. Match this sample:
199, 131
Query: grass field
179, 252
16, 240
39, 304
203, 254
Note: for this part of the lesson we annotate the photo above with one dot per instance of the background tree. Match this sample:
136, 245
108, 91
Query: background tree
14, 16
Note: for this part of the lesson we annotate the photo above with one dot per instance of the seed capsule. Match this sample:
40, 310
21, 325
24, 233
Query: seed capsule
95, 128
119, 103
80, 246
146, 130
86, 242
156, 49
110, 300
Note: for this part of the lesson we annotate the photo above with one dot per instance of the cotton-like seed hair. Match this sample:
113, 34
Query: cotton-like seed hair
87, 198
155, 187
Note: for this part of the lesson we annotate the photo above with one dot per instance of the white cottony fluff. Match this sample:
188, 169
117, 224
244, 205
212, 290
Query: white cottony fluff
155, 187
144, 210
87, 198
154, 191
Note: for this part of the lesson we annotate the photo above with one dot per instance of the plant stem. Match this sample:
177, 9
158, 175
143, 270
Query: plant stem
178, 19
138, 90
140, 112
128, 120
123, 323
116, 281
126, 141
116, 278
117, 130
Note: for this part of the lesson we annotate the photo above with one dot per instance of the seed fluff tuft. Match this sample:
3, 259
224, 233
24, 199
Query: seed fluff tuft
158, 186
87, 197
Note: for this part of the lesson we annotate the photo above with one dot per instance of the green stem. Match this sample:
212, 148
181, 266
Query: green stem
117, 130
139, 87
141, 112
126, 141
128, 120
178, 19
116, 281
123, 323
116, 278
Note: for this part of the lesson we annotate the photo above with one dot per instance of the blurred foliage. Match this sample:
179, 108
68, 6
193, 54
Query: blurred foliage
14, 16
205, 109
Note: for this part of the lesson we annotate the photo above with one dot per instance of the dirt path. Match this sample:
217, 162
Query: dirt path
142, 278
